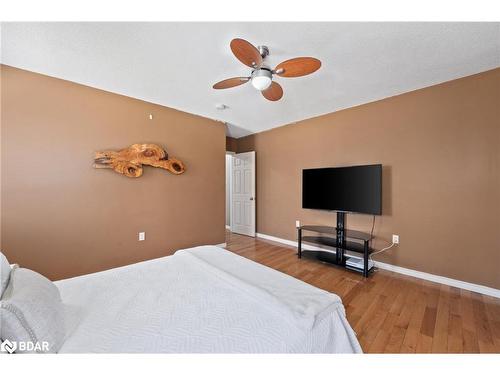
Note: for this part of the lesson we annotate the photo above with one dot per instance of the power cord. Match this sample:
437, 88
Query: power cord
382, 250
373, 226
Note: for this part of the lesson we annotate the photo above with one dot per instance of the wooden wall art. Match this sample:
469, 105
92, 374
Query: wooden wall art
130, 160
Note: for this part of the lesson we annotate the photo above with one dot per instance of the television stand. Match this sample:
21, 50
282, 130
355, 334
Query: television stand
337, 244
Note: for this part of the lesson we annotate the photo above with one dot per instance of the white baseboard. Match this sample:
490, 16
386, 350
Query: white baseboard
486, 290
482, 289
224, 244
280, 240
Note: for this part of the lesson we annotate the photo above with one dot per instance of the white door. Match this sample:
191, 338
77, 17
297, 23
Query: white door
243, 194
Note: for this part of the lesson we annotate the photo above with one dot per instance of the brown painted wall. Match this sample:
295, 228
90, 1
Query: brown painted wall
231, 144
63, 218
440, 147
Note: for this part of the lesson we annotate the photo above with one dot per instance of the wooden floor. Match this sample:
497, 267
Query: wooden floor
390, 312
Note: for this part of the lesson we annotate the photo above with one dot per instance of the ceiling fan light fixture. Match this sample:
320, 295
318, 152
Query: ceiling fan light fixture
262, 79
261, 76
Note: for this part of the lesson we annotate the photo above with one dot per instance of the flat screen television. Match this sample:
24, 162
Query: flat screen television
349, 189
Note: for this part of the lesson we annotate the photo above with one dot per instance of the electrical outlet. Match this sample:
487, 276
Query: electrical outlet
142, 236
395, 238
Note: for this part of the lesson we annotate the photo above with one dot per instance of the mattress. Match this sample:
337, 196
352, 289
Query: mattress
201, 300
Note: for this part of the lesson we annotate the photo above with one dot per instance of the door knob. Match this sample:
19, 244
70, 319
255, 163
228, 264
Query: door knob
251, 198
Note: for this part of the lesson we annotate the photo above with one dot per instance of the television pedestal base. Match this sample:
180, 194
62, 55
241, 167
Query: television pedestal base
340, 236
336, 245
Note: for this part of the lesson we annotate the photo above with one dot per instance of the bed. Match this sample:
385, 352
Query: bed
201, 300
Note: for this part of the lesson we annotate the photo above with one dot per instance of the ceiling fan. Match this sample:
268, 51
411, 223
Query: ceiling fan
261, 76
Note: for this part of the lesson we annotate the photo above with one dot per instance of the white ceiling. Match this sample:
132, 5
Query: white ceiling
176, 64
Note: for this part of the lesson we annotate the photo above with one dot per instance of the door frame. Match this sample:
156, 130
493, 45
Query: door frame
254, 192
230, 227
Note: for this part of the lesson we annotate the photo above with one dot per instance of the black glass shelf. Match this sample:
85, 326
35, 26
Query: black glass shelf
354, 234
332, 242
327, 257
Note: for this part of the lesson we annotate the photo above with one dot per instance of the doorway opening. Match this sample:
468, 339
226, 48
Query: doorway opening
229, 163
240, 193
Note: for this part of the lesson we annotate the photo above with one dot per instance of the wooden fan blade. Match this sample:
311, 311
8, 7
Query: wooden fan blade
298, 67
246, 52
230, 82
273, 92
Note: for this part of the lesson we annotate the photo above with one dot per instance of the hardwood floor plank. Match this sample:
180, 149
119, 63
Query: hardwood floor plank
440, 341
424, 344
455, 334
428, 321
399, 330
383, 335
484, 332
413, 330
470, 342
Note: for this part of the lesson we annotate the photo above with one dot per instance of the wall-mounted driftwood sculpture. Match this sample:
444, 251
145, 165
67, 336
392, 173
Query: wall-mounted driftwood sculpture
129, 161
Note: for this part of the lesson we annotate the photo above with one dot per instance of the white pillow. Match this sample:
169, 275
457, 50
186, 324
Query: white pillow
4, 273
31, 311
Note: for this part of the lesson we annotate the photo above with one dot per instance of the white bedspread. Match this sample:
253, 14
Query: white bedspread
202, 300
